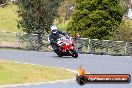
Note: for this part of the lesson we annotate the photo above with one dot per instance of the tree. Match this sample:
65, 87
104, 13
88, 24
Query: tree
2, 1
37, 15
65, 8
96, 18
124, 32
125, 3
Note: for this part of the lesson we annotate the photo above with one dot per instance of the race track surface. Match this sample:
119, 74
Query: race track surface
96, 64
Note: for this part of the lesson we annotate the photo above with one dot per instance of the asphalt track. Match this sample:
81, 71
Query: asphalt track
96, 64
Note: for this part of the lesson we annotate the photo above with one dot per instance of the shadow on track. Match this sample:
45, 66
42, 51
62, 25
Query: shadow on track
64, 57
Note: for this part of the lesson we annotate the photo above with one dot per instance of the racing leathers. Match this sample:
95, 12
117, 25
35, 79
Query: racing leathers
53, 39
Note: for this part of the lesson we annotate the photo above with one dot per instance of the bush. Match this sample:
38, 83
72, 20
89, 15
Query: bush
124, 32
96, 18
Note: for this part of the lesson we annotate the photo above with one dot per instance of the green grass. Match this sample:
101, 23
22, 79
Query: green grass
128, 23
61, 25
16, 73
8, 23
9, 18
8, 37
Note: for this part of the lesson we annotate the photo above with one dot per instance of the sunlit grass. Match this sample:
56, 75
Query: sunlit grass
16, 73
61, 25
9, 18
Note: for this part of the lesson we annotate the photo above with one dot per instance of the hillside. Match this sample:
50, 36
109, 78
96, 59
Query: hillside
9, 18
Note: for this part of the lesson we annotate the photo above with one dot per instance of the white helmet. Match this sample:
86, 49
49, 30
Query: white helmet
53, 28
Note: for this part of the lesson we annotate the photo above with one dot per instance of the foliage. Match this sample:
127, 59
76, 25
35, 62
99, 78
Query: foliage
37, 16
2, 1
124, 32
65, 7
125, 4
96, 18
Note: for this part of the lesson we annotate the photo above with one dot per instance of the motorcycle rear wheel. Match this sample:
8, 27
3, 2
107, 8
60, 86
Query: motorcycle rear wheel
59, 55
74, 53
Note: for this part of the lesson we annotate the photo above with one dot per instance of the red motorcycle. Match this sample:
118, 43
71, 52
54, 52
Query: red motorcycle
66, 47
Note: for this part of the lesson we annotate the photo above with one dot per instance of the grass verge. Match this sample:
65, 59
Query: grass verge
16, 73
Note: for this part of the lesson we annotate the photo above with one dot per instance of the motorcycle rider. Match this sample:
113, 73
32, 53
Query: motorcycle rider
54, 35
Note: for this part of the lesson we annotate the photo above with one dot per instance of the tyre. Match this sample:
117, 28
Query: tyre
81, 80
59, 54
74, 53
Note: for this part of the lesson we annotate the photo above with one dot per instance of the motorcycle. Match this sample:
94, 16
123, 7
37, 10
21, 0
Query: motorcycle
66, 47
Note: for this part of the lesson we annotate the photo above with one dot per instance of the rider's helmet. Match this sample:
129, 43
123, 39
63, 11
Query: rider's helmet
53, 29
